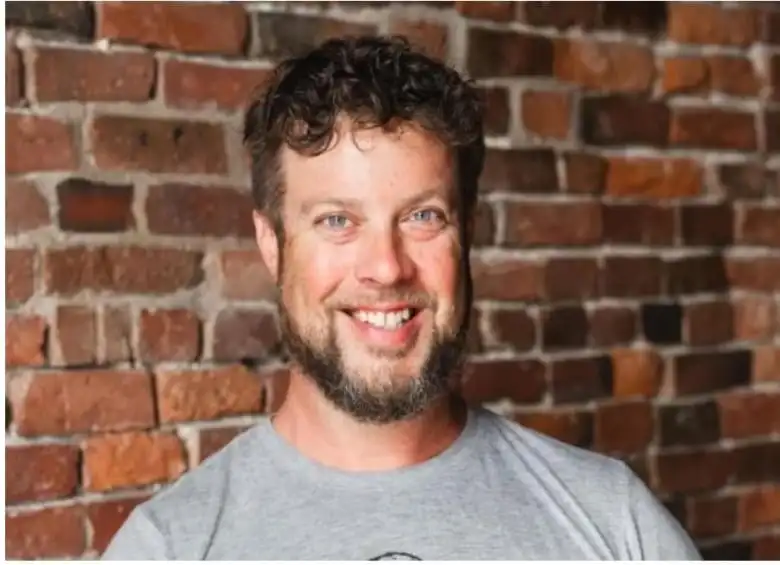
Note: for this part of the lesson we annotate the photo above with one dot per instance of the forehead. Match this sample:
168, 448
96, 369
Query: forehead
370, 165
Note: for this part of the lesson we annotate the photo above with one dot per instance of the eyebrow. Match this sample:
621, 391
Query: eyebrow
428, 194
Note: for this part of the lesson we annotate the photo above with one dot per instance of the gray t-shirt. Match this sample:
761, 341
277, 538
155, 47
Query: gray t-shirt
499, 492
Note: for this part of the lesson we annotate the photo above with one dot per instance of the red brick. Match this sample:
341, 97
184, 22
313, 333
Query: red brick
547, 113
766, 363
585, 173
245, 276
191, 84
40, 472
179, 209
198, 28
760, 226
755, 317
25, 208
81, 74
653, 178
623, 119
760, 274
507, 279
37, 143
276, 385
734, 75
169, 335
581, 380
117, 334
599, 65
553, 224
523, 382
560, 15
707, 224
484, 225
726, 74
131, 460
623, 428
244, 334
212, 440
25, 339
46, 533
632, 276
571, 426
759, 508
709, 323
638, 224
710, 24
208, 394
612, 325
494, 53
106, 517
748, 414
19, 275
496, 11
710, 517
713, 128
685, 75
571, 278
14, 69
636, 373
60, 403
694, 471
89, 206
76, 340
519, 171
767, 547
428, 37
158, 146
699, 373
134, 270
515, 328
497, 116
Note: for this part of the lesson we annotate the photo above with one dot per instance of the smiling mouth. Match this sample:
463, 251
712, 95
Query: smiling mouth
384, 320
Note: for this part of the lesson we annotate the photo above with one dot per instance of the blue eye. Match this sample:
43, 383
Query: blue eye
426, 216
335, 221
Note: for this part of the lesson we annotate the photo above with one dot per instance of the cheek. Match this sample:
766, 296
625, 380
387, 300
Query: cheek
318, 272
438, 269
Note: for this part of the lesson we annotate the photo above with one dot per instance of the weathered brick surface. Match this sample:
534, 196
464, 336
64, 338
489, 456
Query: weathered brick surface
626, 261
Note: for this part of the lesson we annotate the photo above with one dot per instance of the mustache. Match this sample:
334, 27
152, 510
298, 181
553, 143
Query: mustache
414, 299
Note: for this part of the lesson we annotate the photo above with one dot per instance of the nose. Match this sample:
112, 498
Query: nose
383, 261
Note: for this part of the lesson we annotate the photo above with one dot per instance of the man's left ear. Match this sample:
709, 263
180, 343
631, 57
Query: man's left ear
267, 243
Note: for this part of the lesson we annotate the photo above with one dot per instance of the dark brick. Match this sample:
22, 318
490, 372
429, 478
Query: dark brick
708, 323
696, 274
564, 327
520, 381
561, 15
707, 224
689, 424
484, 225
772, 129
632, 276
515, 328
581, 380
519, 171
72, 18
283, 35
710, 517
728, 551
748, 180
624, 120
585, 173
757, 463
497, 116
90, 206
694, 471
495, 53
772, 27
635, 17
662, 323
699, 373
638, 224
496, 11
612, 325
568, 278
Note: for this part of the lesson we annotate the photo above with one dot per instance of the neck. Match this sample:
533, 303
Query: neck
327, 435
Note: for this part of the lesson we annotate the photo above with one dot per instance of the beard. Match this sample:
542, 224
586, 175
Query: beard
390, 400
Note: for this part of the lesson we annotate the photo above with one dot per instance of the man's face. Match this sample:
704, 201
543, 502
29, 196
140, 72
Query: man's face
372, 288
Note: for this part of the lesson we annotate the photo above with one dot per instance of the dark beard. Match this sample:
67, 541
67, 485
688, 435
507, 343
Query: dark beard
375, 405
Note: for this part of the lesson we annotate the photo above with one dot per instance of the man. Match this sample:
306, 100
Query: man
365, 158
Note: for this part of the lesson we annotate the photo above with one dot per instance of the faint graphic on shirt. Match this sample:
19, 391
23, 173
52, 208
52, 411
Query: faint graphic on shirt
396, 556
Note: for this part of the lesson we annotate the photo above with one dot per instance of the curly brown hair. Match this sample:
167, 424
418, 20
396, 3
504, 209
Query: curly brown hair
376, 82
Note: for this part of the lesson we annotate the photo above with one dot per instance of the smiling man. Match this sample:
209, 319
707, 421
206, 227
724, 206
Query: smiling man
365, 158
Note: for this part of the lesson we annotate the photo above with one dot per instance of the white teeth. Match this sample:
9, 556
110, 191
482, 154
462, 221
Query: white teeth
384, 320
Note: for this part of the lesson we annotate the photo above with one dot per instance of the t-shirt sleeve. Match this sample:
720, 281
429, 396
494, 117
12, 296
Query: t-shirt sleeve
655, 534
139, 539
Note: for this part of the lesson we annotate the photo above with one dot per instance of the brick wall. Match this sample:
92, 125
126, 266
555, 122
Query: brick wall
627, 267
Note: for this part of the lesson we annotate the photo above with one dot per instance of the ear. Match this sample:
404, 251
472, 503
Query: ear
267, 243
